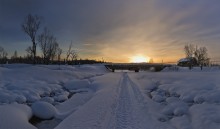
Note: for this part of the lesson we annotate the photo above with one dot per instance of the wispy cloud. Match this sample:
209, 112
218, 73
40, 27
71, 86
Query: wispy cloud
119, 29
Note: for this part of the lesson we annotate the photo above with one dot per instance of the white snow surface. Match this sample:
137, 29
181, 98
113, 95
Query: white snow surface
15, 116
90, 97
43, 110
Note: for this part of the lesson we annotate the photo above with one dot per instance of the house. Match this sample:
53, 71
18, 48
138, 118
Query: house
186, 62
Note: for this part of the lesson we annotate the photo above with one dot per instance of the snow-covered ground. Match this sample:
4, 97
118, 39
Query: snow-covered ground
90, 97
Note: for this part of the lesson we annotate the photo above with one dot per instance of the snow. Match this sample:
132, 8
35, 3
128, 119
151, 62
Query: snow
15, 116
74, 85
90, 97
184, 60
43, 110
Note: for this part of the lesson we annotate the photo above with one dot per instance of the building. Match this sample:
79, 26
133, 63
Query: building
187, 62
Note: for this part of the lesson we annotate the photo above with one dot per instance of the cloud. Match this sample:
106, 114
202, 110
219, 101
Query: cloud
118, 29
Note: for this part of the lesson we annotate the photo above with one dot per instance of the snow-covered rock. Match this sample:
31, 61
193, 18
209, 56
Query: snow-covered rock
61, 98
43, 110
47, 99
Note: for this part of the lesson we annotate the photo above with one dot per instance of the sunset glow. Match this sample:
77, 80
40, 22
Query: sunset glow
116, 30
139, 59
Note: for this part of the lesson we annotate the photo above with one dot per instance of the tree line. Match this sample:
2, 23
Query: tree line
15, 58
47, 41
50, 48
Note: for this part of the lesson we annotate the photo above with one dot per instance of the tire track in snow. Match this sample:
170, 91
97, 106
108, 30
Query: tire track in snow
123, 117
129, 111
137, 92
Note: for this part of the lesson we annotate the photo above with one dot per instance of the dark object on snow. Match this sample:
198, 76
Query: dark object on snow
156, 67
201, 66
187, 62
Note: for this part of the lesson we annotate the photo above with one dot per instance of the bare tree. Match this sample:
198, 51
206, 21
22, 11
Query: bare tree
48, 45
69, 51
3, 55
15, 55
53, 50
45, 39
30, 26
201, 55
189, 50
29, 51
59, 53
73, 55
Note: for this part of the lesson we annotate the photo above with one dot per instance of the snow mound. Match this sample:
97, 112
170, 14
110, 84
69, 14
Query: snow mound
43, 110
194, 69
48, 99
15, 116
205, 116
76, 85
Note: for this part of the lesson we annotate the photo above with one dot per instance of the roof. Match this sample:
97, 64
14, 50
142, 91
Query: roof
184, 60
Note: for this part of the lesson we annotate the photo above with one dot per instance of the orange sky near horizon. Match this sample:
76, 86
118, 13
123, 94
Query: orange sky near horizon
117, 30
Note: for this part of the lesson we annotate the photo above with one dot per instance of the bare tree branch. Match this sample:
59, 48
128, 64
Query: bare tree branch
48, 45
30, 26
69, 51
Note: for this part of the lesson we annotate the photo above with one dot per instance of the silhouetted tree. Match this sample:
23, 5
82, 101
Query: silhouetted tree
15, 55
29, 52
59, 53
200, 54
3, 55
69, 51
45, 39
48, 45
30, 26
73, 55
53, 50
189, 50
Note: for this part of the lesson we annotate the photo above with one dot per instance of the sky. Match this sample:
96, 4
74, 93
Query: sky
117, 30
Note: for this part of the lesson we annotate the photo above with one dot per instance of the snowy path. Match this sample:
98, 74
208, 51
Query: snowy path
123, 107
130, 107
120, 106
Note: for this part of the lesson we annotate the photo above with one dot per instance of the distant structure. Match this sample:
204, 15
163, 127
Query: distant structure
136, 66
187, 62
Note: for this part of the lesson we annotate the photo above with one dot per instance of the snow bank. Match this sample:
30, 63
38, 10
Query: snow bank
186, 100
205, 116
76, 85
15, 116
43, 86
194, 69
23, 83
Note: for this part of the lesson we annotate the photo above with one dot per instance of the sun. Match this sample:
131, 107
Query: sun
139, 59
